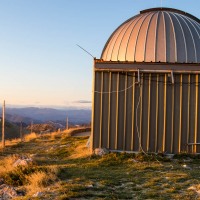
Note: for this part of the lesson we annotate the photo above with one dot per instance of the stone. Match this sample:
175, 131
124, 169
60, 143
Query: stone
38, 194
7, 192
90, 186
198, 192
23, 162
186, 167
101, 151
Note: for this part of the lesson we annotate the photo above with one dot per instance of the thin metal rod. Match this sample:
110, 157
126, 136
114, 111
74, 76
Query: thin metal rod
67, 124
3, 125
85, 51
21, 133
172, 76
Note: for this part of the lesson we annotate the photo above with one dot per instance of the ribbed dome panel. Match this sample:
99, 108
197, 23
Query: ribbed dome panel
156, 35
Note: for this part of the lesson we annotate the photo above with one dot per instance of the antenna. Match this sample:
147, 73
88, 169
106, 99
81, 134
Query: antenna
85, 51
161, 2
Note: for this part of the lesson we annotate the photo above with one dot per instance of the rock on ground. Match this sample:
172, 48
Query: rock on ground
100, 151
7, 192
23, 162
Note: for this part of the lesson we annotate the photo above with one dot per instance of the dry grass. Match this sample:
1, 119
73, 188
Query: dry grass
64, 169
81, 151
12, 142
38, 181
31, 136
6, 164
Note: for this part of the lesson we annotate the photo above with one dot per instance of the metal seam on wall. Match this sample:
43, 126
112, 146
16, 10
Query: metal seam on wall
125, 93
101, 107
141, 107
164, 118
180, 122
172, 128
116, 122
133, 112
93, 101
149, 112
156, 132
196, 113
188, 117
110, 81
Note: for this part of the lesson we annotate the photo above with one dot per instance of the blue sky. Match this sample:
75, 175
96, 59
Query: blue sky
39, 60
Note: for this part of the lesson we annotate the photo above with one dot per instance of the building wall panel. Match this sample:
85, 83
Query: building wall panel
153, 114
185, 102
120, 122
105, 109
129, 110
192, 112
113, 110
97, 109
145, 105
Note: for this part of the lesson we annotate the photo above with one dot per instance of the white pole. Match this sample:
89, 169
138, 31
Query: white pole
67, 124
3, 125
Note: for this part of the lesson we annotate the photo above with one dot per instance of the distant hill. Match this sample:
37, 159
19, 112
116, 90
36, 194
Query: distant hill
11, 130
41, 115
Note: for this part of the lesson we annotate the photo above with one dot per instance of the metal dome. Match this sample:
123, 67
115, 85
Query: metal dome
156, 35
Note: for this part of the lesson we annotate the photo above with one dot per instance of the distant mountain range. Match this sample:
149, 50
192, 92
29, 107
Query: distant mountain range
42, 115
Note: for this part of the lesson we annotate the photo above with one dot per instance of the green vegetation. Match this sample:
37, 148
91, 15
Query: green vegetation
64, 169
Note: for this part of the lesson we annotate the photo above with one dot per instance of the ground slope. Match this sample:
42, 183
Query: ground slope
64, 169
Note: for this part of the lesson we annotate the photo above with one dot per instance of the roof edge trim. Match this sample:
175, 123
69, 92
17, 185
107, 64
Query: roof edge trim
172, 10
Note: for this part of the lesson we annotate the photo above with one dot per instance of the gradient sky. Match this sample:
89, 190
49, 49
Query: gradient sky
39, 60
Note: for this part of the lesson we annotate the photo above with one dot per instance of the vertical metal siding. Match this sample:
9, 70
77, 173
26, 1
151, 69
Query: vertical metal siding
159, 115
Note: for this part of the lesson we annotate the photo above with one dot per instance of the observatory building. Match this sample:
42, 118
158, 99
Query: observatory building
146, 88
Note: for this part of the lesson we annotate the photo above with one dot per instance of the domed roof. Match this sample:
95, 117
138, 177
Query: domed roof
156, 35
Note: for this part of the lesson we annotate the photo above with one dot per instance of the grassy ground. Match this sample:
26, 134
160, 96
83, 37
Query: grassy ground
64, 169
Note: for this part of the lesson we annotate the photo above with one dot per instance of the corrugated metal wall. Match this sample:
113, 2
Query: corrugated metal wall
154, 115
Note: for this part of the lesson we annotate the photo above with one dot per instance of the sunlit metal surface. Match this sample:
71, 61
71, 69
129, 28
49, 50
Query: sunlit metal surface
156, 35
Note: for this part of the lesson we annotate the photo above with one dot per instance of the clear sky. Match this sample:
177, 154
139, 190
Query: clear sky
39, 60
